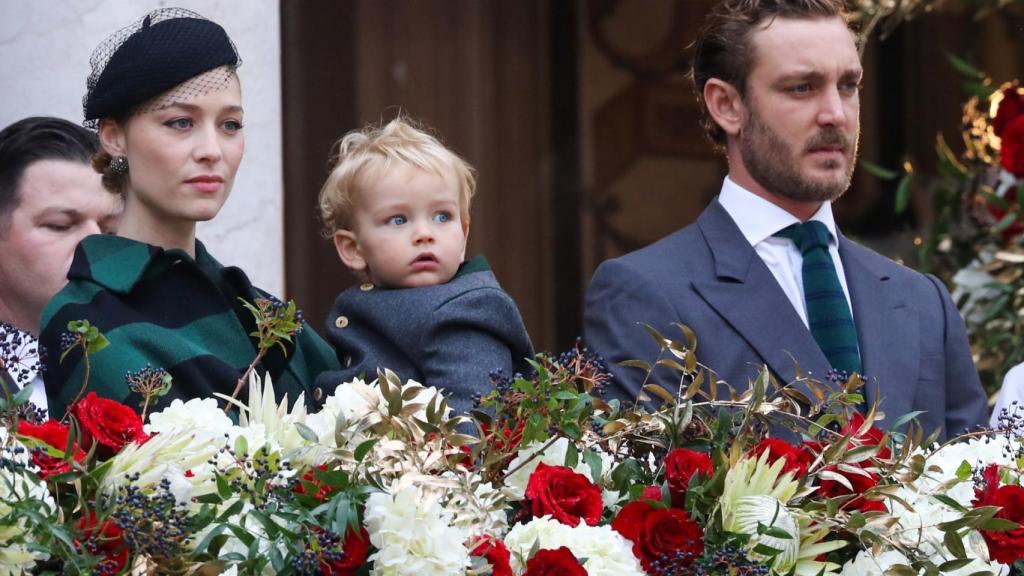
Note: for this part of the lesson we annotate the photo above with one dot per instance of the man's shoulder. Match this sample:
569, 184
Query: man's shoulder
683, 251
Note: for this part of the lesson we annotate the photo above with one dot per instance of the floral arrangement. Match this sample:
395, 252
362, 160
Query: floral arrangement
975, 241
546, 477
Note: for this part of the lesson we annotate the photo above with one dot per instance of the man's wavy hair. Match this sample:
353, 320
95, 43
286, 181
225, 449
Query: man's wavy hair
723, 49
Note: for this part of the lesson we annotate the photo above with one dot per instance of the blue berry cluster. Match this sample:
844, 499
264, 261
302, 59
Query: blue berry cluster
326, 548
723, 560
154, 524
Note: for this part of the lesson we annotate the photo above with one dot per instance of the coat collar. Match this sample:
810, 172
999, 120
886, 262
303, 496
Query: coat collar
118, 264
745, 293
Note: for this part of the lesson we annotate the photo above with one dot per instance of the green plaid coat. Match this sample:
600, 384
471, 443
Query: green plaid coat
163, 309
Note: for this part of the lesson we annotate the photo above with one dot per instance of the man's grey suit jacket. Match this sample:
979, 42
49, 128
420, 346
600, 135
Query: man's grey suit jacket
707, 276
450, 336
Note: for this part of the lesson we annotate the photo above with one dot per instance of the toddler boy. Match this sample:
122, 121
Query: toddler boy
396, 205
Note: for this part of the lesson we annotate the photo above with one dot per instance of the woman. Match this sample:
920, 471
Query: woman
165, 99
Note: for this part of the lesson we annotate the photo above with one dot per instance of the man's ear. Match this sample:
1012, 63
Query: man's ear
347, 245
725, 105
112, 137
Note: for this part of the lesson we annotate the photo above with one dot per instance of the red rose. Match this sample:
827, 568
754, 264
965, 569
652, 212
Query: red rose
496, 553
1010, 108
109, 423
658, 532
1011, 151
680, 465
563, 494
797, 458
861, 483
558, 562
54, 434
1005, 546
354, 555
871, 437
103, 540
319, 490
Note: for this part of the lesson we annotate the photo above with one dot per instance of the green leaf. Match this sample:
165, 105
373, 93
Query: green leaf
364, 448
223, 488
1005, 222
903, 192
965, 67
307, 433
572, 455
879, 171
998, 525
954, 543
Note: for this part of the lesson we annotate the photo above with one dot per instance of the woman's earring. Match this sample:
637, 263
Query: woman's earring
119, 165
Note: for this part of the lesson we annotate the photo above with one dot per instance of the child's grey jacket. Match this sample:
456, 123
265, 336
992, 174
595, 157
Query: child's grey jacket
450, 336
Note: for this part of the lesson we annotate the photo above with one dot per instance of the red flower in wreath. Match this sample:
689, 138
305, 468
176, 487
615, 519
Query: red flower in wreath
353, 555
563, 494
680, 465
1011, 152
109, 423
1008, 546
102, 539
496, 554
557, 562
797, 458
657, 532
54, 434
1010, 109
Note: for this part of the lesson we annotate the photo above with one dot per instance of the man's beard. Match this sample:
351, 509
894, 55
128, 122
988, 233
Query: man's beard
772, 163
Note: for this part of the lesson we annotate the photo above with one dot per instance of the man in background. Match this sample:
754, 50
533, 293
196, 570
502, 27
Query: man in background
764, 277
50, 198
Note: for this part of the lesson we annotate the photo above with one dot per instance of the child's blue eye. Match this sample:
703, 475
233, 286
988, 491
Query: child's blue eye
442, 217
397, 220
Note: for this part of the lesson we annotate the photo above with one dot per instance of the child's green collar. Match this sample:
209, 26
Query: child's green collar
475, 264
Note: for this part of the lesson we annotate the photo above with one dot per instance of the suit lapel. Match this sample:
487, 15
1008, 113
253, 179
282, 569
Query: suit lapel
885, 324
747, 296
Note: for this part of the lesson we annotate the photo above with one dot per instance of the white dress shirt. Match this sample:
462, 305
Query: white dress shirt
758, 219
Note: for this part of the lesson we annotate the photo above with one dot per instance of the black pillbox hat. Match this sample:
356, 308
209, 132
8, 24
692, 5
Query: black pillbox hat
154, 59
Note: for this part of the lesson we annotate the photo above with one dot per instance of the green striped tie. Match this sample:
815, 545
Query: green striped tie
828, 312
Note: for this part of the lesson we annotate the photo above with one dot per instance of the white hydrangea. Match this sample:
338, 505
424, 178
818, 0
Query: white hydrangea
554, 455
201, 417
606, 551
413, 536
18, 482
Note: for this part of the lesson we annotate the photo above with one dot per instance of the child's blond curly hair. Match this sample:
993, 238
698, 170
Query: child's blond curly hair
363, 153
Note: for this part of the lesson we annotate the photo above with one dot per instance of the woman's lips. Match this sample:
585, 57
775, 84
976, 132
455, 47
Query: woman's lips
206, 184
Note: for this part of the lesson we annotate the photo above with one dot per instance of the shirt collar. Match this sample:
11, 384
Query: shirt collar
758, 219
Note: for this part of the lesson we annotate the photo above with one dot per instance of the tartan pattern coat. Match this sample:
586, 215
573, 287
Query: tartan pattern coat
164, 309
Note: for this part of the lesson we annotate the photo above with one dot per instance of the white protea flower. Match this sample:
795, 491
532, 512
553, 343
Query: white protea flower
607, 553
868, 564
275, 422
181, 458
756, 493
413, 536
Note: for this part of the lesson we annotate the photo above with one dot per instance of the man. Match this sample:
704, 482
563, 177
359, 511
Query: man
50, 198
778, 82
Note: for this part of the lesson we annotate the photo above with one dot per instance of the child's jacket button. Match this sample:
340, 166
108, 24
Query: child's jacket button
341, 321
366, 287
